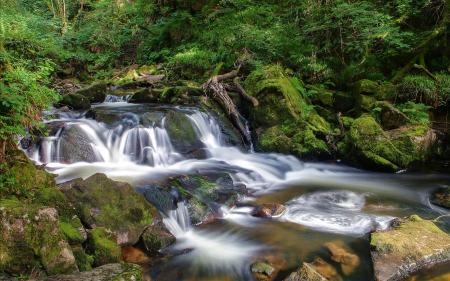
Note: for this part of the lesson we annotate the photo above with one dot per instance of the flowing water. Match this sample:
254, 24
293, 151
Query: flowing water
324, 201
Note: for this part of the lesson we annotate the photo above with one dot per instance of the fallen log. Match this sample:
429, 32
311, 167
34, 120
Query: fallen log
243, 93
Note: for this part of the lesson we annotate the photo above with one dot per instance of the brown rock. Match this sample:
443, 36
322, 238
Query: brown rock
341, 253
326, 270
268, 210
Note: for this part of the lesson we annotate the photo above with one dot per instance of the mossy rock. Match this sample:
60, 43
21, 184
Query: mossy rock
274, 140
153, 118
74, 101
95, 93
181, 132
391, 117
146, 96
27, 179
327, 114
308, 147
157, 237
102, 202
343, 102
262, 268
372, 148
104, 116
103, 247
31, 239
84, 261
408, 246
364, 87
189, 83
442, 197
181, 94
417, 141
364, 104
322, 97
305, 273
75, 146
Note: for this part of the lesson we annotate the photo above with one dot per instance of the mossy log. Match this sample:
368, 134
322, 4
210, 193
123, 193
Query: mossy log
214, 86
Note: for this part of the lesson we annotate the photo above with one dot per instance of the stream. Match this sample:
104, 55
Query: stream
324, 202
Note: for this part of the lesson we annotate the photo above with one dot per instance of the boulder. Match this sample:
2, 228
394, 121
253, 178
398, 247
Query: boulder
31, 239
108, 272
442, 197
391, 117
75, 146
102, 202
95, 93
372, 148
343, 254
409, 245
102, 246
263, 271
181, 132
74, 101
146, 96
364, 87
343, 102
305, 273
104, 116
268, 210
157, 237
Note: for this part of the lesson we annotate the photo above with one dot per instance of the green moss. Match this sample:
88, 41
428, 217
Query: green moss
103, 247
365, 87
70, 231
74, 101
307, 146
415, 140
262, 267
84, 262
274, 140
131, 272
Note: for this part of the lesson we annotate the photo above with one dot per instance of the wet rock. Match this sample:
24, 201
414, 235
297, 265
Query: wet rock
74, 101
325, 269
305, 273
442, 197
268, 210
150, 119
84, 261
103, 247
263, 271
108, 272
146, 96
75, 146
95, 93
157, 237
31, 239
181, 94
67, 85
343, 254
104, 116
391, 117
408, 246
102, 202
372, 148
181, 133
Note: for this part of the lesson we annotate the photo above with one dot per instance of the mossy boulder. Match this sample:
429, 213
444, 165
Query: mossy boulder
442, 197
181, 132
83, 260
102, 202
390, 117
103, 116
157, 237
103, 247
75, 146
343, 102
408, 246
181, 94
274, 140
305, 273
27, 179
364, 104
372, 148
95, 93
364, 87
74, 101
319, 96
31, 238
263, 271
146, 96
417, 141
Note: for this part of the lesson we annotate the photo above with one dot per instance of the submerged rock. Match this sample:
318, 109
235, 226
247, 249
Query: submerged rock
263, 271
268, 210
181, 133
408, 246
442, 198
305, 273
343, 254
108, 272
326, 270
102, 202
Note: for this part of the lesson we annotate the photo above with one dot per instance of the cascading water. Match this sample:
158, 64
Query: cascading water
323, 202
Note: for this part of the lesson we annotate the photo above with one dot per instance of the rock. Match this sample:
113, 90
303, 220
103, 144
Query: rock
31, 239
325, 269
417, 141
84, 261
364, 87
75, 146
391, 117
153, 118
268, 210
74, 101
181, 132
372, 148
181, 94
95, 93
318, 96
343, 102
108, 272
146, 96
305, 273
343, 254
264, 269
273, 140
157, 237
102, 202
442, 197
104, 116
102, 245
408, 246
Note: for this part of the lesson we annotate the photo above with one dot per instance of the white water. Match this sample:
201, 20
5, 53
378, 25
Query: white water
322, 200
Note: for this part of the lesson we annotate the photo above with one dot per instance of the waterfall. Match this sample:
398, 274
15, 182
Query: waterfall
177, 221
207, 129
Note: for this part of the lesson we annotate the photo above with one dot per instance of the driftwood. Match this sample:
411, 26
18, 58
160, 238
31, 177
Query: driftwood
214, 86
337, 137
244, 93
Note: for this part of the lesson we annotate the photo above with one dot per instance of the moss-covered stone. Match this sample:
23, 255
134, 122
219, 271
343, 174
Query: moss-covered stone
181, 132
390, 117
75, 146
274, 140
364, 104
102, 202
409, 245
103, 247
262, 267
364, 87
417, 141
343, 102
30, 236
308, 146
305, 273
146, 96
104, 116
84, 261
157, 237
95, 93
319, 96
74, 101
372, 147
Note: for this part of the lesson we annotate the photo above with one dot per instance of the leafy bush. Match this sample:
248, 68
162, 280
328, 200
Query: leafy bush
415, 111
424, 89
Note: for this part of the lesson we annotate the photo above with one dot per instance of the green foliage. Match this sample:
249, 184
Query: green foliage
431, 92
376, 113
415, 111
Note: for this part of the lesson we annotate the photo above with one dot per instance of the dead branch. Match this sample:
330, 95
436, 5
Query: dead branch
214, 86
244, 93
337, 137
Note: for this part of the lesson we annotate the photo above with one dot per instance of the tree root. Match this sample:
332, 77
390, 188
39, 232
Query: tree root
337, 137
244, 93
